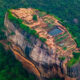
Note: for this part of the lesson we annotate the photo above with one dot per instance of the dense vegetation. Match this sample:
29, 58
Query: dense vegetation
67, 10
74, 60
10, 68
62, 58
35, 17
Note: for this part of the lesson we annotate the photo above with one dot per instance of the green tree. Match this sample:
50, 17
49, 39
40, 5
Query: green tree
35, 17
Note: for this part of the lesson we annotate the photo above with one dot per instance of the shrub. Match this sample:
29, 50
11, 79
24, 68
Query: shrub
35, 17
23, 26
62, 58
37, 35
20, 21
42, 39
13, 19
64, 48
33, 32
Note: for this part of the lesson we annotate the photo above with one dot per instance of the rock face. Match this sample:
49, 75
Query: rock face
33, 54
37, 50
74, 71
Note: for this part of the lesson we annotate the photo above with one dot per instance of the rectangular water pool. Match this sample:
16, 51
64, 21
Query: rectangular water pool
55, 31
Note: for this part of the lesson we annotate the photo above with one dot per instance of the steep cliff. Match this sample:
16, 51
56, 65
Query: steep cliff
36, 56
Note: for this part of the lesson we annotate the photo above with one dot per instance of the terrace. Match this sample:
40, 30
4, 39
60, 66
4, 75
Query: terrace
47, 27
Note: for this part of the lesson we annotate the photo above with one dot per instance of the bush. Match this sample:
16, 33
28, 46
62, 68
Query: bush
62, 58
37, 35
26, 28
64, 48
35, 17
33, 32
42, 39
13, 19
